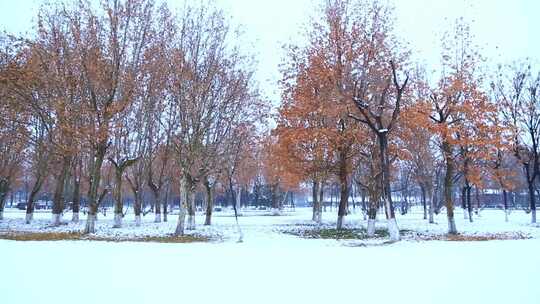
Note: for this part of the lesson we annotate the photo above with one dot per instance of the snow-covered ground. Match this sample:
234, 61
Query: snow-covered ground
269, 266
260, 226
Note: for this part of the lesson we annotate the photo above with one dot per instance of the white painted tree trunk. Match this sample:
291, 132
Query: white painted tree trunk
276, 211
452, 226
371, 227
2, 215
138, 221
117, 220
56, 219
238, 200
340, 222
393, 229
191, 222
317, 216
29, 218
90, 224
533, 217
181, 220
75, 217
240, 233
465, 214
157, 218
506, 213
431, 209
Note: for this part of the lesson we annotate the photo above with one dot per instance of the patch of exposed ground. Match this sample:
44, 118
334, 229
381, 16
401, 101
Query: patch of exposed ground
77, 236
352, 234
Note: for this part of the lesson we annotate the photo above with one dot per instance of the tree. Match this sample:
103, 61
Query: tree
422, 161
13, 125
275, 174
519, 95
368, 178
211, 87
318, 87
239, 162
160, 113
305, 126
458, 112
375, 88
56, 94
418, 144
18, 85
109, 45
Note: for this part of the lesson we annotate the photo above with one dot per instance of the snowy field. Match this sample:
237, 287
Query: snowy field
270, 266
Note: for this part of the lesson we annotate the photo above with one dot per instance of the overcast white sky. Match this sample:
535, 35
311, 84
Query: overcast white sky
507, 29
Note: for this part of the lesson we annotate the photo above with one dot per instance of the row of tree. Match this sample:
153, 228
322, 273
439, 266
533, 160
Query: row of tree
128, 93
356, 107
129, 97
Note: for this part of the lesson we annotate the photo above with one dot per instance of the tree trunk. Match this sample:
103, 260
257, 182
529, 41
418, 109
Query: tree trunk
191, 212
118, 202
157, 208
505, 202
393, 229
76, 201
344, 189
275, 201
321, 199
464, 201
424, 205
469, 204
209, 203
166, 202
4, 189
532, 201
238, 199
431, 210
448, 183
352, 195
137, 206
373, 206
435, 198
95, 177
478, 204
332, 189
58, 198
185, 189
316, 203
31, 199
157, 196
372, 218
364, 204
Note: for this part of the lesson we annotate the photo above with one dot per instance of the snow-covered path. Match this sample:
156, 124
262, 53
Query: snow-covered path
100, 272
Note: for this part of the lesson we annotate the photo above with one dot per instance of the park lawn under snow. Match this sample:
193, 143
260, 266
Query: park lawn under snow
259, 226
271, 266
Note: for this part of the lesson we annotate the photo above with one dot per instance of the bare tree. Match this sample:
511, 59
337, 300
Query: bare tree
109, 44
521, 107
210, 84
